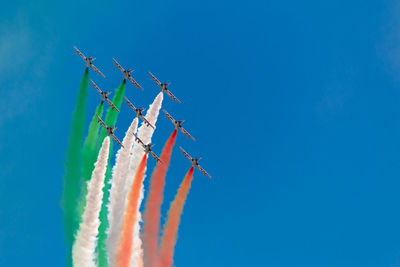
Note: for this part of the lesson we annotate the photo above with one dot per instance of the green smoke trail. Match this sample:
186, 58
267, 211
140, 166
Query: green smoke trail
110, 120
89, 153
72, 165
112, 114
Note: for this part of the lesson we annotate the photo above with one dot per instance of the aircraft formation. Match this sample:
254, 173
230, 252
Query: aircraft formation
127, 74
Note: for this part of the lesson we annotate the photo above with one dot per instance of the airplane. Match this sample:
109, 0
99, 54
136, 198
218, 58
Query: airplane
110, 130
178, 124
195, 162
127, 74
163, 87
147, 148
104, 95
89, 61
139, 112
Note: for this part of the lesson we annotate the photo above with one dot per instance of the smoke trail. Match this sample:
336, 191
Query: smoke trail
89, 153
130, 216
170, 232
144, 133
110, 120
83, 251
112, 114
152, 213
72, 165
117, 202
139, 257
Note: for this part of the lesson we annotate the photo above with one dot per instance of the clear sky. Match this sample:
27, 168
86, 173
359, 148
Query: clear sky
294, 105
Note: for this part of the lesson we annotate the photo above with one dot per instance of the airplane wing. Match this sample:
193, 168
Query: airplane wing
79, 53
172, 96
101, 121
96, 70
203, 171
96, 87
168, 116
137, 139
111, 104
186, 133
155, 156
129, 103
155, 79
116, 140
146, 121
185, 153
118, 66
135, 83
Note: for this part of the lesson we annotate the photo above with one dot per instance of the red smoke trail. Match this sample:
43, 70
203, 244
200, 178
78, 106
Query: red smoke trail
169, 237
152, 213
126, 244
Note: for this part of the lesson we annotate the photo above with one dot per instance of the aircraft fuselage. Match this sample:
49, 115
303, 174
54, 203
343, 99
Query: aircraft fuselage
178, 124
110, 130
103, 96
195, 162
88, 62
127, 74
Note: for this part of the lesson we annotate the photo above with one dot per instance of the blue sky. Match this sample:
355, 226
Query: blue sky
294, 105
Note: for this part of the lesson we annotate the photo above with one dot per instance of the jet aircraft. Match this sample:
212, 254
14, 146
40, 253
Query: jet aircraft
89, 61
195, 162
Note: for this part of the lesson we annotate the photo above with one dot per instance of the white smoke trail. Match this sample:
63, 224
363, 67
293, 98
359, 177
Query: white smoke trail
117, 199
83, 251
144, 133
